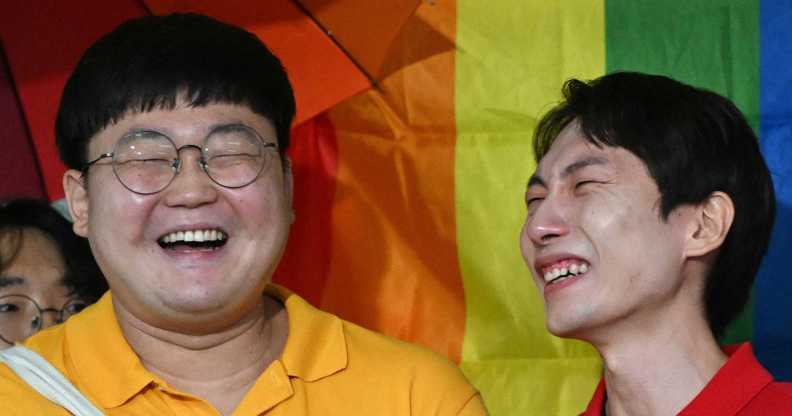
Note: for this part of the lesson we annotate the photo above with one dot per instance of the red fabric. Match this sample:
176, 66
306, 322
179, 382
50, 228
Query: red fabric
742, 387
42, 50
19, 175
305, 265
597, 402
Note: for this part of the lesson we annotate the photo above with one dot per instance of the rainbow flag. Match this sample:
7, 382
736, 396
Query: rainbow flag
409, 193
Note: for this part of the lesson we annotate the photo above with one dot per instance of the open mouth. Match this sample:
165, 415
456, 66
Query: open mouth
565, 269
194, 240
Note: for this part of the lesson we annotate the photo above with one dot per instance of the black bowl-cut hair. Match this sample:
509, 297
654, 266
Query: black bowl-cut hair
151, 62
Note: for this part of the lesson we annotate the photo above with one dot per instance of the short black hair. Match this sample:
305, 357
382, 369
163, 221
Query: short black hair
694, 142
82, 276
150, 62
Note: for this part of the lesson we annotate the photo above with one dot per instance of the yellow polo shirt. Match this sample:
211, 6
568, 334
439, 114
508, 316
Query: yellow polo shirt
328, 367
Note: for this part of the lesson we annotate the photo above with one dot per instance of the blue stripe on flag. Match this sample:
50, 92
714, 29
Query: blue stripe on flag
773, 307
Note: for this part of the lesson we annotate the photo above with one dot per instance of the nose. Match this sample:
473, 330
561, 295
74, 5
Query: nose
191, 187
546, 221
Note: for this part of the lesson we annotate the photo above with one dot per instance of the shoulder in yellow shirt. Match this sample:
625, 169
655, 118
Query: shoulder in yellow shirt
328, 367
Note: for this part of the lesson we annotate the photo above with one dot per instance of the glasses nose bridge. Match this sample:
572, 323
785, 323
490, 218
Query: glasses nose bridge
58, 314
40, 321
177, 163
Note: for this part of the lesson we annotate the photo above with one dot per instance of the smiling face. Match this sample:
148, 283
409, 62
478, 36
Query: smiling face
138, 240
600, 253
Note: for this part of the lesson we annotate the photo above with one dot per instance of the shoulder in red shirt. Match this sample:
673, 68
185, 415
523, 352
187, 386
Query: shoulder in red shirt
742, 387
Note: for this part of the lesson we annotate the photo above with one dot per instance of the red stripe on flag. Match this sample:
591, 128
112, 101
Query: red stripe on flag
306, 262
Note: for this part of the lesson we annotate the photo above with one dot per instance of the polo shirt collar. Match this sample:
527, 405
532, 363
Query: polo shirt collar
734, 385
597, 403
112, 373
105, 365
740, 379
316, 345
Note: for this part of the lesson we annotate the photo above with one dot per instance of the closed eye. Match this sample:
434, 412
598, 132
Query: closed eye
531, 201
582, 184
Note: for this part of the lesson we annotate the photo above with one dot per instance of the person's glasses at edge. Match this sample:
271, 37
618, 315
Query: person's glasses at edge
21, 316
147, 161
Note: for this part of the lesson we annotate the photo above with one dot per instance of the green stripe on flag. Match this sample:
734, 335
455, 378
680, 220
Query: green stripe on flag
513, 56
712, 44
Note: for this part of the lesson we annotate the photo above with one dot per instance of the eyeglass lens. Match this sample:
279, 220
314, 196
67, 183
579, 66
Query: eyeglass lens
146, 161
21, 317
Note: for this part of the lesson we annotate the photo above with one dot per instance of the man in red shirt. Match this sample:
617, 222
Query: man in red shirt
647, 218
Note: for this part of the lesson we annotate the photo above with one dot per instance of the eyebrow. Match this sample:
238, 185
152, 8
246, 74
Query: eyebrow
580, 164
6, 281
537, 179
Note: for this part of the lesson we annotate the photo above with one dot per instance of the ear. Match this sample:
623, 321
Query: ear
288, 184
713, 218
77, 199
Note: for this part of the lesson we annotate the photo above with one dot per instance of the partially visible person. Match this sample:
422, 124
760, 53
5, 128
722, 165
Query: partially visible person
647, 219
47, 273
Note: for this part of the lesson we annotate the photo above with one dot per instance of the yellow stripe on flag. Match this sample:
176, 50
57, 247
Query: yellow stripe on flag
512, 58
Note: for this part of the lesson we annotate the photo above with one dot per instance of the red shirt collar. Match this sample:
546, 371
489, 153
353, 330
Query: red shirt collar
597, 402
732, 387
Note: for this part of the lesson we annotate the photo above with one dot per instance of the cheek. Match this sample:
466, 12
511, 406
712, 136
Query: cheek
262, 208
526, 247
118, 213
614, 221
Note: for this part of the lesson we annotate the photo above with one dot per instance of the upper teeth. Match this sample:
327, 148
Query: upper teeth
194, 235
567, 268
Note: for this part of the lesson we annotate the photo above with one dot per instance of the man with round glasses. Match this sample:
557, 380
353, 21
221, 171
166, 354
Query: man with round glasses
175, 129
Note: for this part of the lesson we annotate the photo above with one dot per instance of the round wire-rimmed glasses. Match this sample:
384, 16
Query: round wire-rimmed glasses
21, 316
147, 161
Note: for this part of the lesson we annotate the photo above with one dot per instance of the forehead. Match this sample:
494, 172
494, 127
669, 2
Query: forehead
35, 250
571, 148
183, 123
37, 270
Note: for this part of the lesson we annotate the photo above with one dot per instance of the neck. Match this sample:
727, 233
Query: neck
658, 366
218, 367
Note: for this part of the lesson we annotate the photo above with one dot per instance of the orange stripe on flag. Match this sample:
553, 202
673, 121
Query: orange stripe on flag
394, 266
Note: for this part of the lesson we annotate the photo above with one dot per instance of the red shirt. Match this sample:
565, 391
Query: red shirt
742, 387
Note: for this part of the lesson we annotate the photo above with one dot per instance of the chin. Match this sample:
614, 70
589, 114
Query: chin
199, 301
566, 326
560, 330
199, 316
